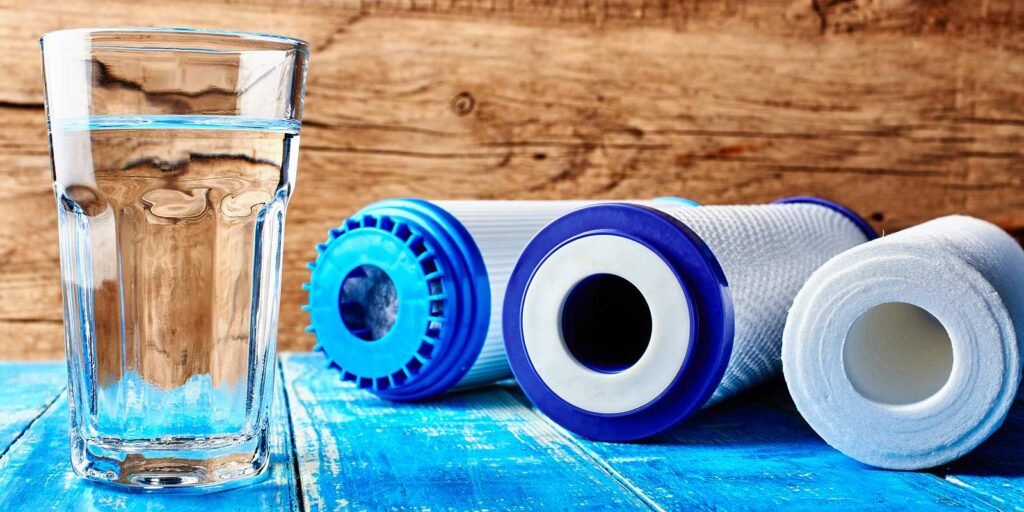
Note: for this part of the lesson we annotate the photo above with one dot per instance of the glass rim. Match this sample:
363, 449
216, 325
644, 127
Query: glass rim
288, 43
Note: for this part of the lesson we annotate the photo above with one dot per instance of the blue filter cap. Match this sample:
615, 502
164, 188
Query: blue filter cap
859, 221
690, 290
399, 299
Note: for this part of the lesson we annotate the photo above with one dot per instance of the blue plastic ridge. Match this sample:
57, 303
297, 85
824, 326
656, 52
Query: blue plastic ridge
859, 221
443, 294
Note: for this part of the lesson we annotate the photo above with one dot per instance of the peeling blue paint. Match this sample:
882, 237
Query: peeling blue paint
489, 450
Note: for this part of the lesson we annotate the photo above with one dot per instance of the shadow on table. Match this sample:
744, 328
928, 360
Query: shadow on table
764, 415
1002, 455
767, 416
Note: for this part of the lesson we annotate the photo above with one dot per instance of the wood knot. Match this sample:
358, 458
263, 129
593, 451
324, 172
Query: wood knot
843, 16
463, 104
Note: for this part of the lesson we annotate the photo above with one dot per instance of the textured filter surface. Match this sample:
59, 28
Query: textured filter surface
501, 229
766, 252
903, 353
631, 379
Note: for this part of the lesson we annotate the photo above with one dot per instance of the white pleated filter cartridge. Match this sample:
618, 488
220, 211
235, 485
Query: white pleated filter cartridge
405, 296
903, 353
621, 320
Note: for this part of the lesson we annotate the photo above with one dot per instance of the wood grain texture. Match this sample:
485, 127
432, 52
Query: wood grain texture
489, 450
902, 109
471, 451
28, 390
36, 474
993, 471
751, 447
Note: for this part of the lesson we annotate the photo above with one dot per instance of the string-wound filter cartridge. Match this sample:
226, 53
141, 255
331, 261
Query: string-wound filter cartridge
903, 353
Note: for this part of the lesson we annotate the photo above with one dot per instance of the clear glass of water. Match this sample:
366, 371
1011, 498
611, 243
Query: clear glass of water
174, 155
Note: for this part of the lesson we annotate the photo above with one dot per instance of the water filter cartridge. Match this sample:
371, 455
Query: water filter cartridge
621, 320
405, 296
904, 353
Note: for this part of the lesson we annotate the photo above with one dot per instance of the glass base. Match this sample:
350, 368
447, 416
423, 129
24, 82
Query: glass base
176, 464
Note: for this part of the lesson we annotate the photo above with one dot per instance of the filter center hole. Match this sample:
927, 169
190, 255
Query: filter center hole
368, 302
606, 323
897, 353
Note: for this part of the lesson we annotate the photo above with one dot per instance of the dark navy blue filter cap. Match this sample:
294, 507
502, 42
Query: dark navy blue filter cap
697, 273
438, 281
862, 224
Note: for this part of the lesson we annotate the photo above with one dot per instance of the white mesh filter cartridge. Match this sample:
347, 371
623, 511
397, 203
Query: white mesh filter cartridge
405, 295
903, 353
622, 320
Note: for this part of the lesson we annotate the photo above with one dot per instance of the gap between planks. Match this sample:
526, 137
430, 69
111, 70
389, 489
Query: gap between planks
589, 455
300, 494
945, 476
962, 493
946, 473
278, 490
42, 410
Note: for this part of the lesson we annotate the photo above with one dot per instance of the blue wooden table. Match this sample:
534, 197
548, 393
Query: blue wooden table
337, 448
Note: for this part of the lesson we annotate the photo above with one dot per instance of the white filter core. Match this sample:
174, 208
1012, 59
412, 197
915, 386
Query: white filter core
615, 389
897, 354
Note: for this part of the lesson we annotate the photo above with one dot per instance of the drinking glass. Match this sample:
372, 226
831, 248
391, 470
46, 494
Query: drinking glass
174, 154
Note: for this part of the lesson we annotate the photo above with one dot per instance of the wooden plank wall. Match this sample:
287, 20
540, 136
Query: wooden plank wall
903, 109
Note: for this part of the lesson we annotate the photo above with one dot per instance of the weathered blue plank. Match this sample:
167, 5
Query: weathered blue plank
26, 390
36, 475
995, 470
487, 449
470, 451
750, 454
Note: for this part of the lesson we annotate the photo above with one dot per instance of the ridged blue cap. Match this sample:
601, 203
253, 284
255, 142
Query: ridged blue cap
442, 292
